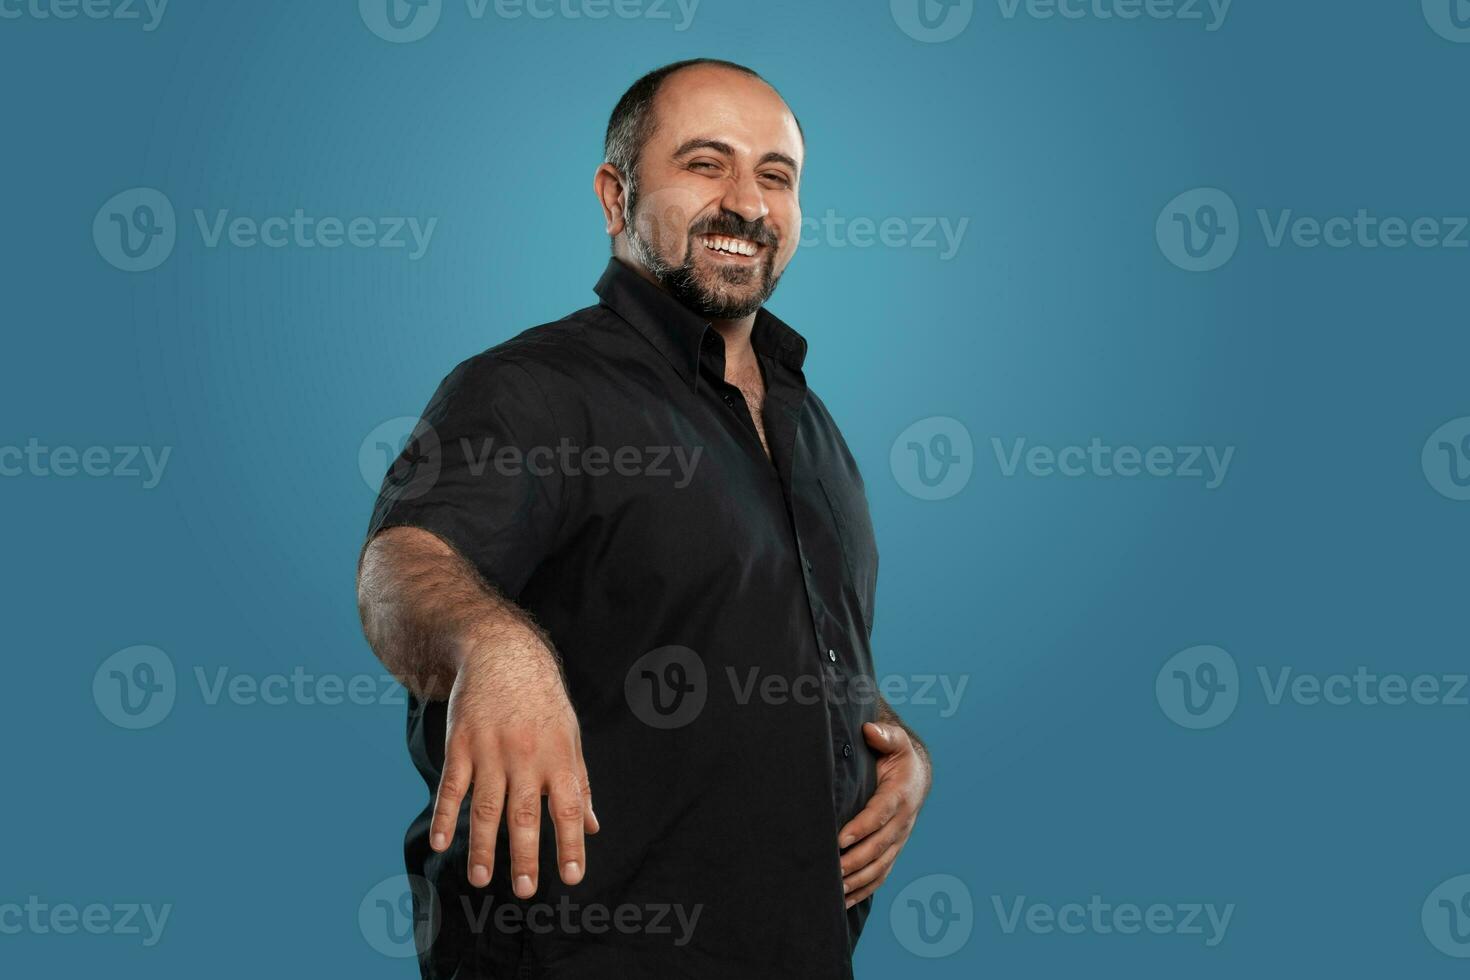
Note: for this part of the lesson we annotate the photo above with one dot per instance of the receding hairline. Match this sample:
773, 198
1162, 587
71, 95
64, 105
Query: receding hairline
634, 119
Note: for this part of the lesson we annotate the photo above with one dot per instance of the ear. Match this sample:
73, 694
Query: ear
607, 183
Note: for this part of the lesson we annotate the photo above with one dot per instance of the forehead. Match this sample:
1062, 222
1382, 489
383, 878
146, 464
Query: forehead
711, 102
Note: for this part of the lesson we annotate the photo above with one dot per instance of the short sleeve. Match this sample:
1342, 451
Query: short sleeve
478, 471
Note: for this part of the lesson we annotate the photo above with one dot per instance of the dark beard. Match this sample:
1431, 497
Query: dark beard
683, 282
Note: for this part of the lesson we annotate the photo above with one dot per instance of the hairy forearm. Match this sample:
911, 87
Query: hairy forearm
424, 608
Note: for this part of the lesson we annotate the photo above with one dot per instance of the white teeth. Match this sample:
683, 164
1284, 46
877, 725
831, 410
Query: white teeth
736, 245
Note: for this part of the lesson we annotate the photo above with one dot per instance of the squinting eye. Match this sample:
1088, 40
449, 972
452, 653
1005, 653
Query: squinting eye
781, 179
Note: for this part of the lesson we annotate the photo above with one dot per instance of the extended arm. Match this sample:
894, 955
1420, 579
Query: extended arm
512, 735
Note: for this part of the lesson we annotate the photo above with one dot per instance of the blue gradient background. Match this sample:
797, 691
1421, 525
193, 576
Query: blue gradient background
1058, 320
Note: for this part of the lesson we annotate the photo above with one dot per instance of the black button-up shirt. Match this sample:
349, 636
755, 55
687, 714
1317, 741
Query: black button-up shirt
712, 608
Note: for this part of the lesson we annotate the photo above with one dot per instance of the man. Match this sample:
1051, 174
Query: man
627, 557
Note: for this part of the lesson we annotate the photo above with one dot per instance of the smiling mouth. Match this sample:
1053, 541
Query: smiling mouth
726, 245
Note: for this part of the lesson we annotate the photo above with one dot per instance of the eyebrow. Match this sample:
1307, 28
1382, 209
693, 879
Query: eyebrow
719, 146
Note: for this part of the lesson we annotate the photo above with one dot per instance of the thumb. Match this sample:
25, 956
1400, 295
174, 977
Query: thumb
883, 738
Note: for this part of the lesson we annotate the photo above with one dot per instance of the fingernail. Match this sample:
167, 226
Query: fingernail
845, 842
850, 903
479, 875
846, 888
524, 888
572, 872
438, 841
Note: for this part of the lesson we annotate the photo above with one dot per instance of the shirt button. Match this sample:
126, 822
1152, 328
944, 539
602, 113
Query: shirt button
846, 750
832, 655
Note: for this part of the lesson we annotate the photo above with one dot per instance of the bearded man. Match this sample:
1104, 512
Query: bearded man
628, 556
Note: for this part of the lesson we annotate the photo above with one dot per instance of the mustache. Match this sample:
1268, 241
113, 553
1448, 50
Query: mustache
734, 226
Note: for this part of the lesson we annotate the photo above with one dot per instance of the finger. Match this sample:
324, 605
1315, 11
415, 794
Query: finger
879, 811
866, 874
523, 821
886, 739
487, 803
589, 819
568, 816
866, 892
454, 782
590, 823
871, 848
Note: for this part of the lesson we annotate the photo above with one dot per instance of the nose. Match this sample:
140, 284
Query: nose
743, 197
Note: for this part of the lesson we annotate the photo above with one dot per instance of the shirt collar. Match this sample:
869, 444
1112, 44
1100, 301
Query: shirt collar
678, 332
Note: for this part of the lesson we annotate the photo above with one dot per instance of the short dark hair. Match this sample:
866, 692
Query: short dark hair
632, 121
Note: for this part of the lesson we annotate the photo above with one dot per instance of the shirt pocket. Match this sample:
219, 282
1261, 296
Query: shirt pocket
849, 507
